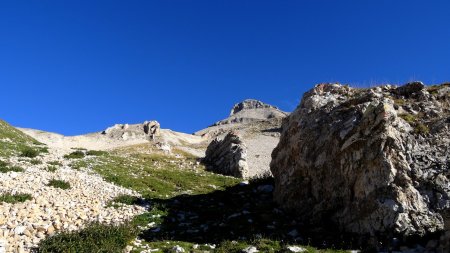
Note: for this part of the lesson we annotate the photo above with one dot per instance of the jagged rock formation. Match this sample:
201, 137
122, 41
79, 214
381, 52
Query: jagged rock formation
371, 161
259, 127
147, 130
250, 104
251, 110
227, 156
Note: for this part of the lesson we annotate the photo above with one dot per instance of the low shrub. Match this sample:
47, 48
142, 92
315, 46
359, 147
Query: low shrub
29, 152
43, 150
421, 129
55, 163
12, 168
52, 168
3, 164
35, 161
14, 198
75, 155
96, 153
5, 167
408, 117
59, 184
94, 238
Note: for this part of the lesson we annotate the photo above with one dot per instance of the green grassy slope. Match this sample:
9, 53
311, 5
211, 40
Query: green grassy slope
13, 141
178, 187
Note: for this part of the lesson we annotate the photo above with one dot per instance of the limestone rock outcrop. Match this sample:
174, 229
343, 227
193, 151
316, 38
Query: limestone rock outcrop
369, 161
250, 104
251, 110
227, 156
147, 130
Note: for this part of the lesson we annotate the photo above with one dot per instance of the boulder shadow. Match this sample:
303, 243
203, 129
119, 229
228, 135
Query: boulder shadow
244, 212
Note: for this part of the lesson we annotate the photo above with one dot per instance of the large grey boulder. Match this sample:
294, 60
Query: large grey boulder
227, 156
370, 161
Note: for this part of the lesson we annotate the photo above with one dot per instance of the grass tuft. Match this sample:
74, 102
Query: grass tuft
52, 168
5, 167
14, 198
75, 155
35, 161
408, 117
124, 199
59, 184
55, 163
94, 238
29, 152
96, 153
421, 129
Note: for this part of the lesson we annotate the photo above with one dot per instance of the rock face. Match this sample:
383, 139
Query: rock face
152, 129
251, 110
147, 130
370, 161
250, 104
227, 156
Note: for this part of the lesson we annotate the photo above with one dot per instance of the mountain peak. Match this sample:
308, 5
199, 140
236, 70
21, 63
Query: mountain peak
249, 104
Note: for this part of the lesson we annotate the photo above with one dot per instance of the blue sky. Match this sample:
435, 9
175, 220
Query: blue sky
79, 66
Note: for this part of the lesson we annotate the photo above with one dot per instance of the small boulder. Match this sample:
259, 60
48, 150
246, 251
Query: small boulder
250, 249
178, 249
410, 88
296, 249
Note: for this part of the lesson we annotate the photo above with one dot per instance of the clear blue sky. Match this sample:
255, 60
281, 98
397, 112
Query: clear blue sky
79, 66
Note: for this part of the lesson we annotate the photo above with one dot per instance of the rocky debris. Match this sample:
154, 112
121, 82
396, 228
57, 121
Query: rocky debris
370, 161
165, 147
51, 210
148, 130
227, 156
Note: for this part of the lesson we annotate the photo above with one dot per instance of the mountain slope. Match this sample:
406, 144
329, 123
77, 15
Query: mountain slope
12, 141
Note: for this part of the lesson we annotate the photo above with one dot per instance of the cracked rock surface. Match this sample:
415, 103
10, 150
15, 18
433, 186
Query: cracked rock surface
371, 161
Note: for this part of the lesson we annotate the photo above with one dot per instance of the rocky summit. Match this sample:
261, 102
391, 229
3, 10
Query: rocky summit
252, 110
372, 161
